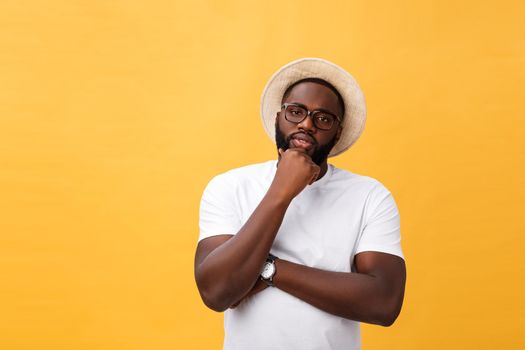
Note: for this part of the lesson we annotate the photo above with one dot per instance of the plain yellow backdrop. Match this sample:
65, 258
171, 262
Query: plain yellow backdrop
115, 114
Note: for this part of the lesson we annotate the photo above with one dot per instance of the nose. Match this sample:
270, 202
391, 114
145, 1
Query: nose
307, 124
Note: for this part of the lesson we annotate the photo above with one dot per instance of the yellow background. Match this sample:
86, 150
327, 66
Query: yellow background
115, 114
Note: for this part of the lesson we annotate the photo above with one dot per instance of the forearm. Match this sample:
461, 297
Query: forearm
356, 296
226, 268
231, 270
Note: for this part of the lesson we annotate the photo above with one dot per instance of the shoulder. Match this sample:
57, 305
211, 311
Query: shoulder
347, 179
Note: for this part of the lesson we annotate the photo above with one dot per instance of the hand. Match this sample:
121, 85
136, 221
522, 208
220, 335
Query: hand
295, 170
259, 286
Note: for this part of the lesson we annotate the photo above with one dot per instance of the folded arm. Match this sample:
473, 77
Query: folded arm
372, 294
228, 266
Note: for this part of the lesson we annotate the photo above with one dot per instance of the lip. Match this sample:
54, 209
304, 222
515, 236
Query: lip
302, 140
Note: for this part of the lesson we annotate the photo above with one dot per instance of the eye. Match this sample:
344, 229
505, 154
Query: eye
295, 111
324, 118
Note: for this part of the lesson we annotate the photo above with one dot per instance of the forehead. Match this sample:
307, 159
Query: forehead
314, 96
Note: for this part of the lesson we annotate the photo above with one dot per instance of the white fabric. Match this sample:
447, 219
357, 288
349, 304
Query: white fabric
325, 226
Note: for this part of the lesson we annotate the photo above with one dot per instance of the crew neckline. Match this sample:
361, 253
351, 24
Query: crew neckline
324, 179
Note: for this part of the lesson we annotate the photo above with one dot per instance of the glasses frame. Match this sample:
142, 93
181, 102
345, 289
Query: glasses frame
309, 113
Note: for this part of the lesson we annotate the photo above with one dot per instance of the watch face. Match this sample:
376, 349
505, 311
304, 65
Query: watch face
268, 270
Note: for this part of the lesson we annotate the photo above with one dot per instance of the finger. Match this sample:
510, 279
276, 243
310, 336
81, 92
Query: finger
315, 175
298, 149
259, 286
302, 152
280, 151
312, 179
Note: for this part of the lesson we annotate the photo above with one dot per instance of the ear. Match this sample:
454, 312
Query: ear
339, 132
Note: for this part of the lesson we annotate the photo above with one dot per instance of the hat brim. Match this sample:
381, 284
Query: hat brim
355, 108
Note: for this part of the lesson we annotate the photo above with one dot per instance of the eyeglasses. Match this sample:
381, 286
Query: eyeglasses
296, 114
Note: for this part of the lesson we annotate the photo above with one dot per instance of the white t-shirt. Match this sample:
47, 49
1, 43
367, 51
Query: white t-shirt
325, 226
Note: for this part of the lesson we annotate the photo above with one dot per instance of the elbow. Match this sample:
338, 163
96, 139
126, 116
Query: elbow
388, 315
383, 318
390, 307
213, 300
387, 320
214, 305
214, 295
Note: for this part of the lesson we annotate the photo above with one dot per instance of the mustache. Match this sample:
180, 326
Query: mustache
302, 136
321, 152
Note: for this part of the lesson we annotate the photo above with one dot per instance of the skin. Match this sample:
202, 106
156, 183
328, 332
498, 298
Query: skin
320, 99
227, 267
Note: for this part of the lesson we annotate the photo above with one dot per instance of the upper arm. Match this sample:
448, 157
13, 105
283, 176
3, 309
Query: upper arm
390, 273
382, 265
219, 209
379, 252
381, 231
218, 219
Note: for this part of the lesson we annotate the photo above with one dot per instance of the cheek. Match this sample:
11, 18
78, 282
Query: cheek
327, 138
283, 125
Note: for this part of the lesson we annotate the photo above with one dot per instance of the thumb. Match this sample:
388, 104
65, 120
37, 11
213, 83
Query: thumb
314, 177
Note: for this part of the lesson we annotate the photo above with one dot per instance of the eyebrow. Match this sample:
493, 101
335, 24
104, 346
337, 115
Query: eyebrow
315, 110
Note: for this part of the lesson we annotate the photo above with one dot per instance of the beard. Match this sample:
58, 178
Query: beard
320, 154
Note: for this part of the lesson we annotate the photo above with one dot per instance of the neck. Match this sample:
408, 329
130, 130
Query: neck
324, 169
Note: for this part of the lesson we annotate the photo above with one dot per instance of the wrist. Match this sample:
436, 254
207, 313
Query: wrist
279, 196
269, 270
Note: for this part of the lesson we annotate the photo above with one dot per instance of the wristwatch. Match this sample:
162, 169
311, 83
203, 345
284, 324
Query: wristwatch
269, 270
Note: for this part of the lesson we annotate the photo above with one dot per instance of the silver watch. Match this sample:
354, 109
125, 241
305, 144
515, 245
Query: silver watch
268, 270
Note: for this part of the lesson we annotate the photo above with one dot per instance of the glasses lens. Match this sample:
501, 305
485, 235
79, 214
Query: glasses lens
295, 114
323, 121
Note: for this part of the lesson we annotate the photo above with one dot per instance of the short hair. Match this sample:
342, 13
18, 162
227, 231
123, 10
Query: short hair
320, 82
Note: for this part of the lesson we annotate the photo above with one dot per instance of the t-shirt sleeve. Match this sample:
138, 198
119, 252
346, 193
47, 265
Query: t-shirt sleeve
217, 213
382, 228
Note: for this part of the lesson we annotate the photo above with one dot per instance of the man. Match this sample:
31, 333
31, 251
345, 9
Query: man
296, 251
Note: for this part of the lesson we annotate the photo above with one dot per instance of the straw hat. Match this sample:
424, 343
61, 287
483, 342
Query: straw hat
355, 108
